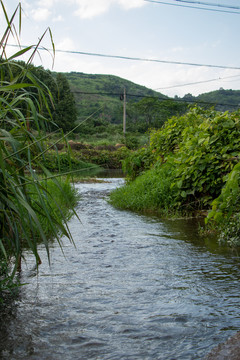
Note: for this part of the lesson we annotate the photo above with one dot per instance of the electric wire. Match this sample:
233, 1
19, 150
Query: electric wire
196, 82
138, 58
209, 4
153, 60
160, 97
193, 7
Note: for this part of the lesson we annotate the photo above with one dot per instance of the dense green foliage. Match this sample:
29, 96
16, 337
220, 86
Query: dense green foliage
226, 209
152, 112
206, 154
32, 209
198, 151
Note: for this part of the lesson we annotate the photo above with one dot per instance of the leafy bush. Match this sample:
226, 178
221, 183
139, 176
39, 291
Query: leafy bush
208, 152
167, 139
225, 213
138, 162
162, 143
132, 142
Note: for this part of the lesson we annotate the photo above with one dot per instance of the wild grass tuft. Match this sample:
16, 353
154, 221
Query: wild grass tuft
149, 193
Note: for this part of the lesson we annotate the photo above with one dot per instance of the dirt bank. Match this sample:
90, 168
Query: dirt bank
229, 350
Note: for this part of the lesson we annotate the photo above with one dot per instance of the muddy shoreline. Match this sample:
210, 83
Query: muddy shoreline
229, 350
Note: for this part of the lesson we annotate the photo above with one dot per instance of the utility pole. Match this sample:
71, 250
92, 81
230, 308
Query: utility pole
124, 112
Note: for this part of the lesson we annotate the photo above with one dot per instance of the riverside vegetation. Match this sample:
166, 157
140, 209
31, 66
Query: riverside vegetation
33, 207
190, 168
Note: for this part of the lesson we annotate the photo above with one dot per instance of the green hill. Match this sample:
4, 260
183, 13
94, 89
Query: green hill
93, 91
224, 99
221, 99
103, 91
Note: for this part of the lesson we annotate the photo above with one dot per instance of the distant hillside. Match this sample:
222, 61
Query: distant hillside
221, 99
103, 91
224, 99
94, 91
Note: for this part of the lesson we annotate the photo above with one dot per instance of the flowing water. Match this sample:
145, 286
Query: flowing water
134, 287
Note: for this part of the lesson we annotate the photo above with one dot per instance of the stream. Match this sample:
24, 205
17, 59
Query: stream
133, 287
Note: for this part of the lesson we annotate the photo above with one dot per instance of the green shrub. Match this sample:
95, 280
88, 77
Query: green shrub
132, 142
206, 154
225, 213
167, 139
138, 162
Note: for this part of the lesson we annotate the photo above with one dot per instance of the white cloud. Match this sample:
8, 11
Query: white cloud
58, 18
46, 3
126, 4
90, 8
66, 44
41, 14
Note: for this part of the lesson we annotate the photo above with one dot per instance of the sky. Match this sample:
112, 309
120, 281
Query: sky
165, 36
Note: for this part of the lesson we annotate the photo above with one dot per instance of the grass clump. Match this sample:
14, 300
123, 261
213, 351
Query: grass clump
151, 192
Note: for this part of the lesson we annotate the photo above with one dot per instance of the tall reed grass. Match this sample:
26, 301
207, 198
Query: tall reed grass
30, 209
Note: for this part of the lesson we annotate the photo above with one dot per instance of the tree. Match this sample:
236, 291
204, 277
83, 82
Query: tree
65, 112
153, 112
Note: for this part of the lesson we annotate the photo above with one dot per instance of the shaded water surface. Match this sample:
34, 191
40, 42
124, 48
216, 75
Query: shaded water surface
133, 288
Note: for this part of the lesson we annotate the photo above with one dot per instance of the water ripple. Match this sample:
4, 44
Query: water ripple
134, 287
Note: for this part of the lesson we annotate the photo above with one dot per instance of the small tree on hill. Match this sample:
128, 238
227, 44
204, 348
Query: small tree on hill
65, 112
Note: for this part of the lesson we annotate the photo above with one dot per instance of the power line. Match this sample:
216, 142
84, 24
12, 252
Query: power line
193, 7
148, 60
196, 82
153, 60
195, 101
137, 58
209, 4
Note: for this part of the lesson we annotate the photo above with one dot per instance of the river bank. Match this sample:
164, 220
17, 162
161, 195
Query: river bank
229, 350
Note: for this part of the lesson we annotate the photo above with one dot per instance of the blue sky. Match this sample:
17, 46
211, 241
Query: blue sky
137, 28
